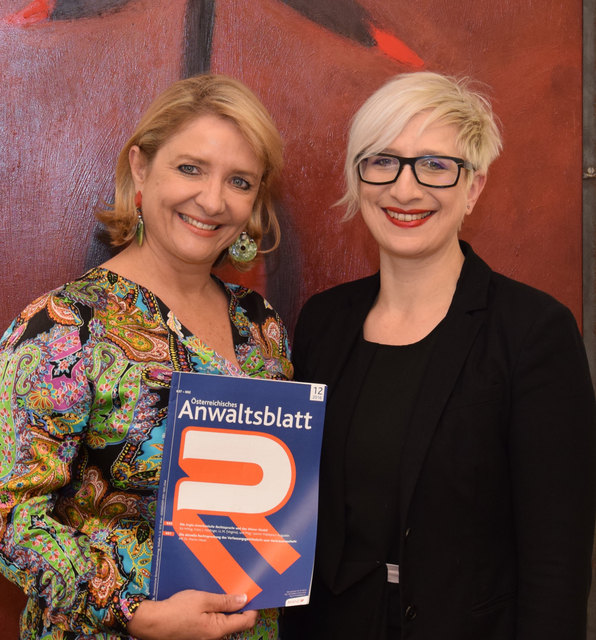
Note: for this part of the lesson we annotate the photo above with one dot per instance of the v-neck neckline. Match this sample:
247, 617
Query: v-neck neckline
172, 325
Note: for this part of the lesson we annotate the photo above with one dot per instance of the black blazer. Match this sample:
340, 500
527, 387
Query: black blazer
497, 495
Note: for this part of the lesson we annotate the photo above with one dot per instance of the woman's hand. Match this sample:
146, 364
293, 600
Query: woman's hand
191, 615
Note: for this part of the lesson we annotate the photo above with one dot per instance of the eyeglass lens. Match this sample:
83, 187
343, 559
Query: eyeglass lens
429, 170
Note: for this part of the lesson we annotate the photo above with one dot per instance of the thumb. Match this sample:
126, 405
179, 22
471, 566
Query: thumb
225, 602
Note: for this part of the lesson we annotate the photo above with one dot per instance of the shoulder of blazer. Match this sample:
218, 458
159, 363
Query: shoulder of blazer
480, 287
328, 324
513, 304
348, 294
342, 303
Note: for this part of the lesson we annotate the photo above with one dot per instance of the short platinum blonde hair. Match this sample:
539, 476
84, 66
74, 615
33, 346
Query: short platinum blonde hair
179, 104
448, 100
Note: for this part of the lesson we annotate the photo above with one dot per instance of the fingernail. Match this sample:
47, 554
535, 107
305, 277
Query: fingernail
240, 599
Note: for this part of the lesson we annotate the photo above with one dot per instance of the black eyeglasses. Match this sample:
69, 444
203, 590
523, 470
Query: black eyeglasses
439, 172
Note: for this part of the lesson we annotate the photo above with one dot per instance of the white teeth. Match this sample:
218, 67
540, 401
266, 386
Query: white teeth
407, 217
197, 224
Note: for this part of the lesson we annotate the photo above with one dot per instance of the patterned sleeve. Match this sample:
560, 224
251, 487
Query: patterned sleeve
254, 316
45, 400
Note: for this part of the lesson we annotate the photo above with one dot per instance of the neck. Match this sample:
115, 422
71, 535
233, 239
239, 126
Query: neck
187, 289
412, 282
162, 277
414, 296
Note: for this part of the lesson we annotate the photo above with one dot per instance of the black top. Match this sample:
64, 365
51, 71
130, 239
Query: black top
374, 444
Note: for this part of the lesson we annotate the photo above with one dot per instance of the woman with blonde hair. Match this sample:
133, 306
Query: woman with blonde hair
457, 474
85, 372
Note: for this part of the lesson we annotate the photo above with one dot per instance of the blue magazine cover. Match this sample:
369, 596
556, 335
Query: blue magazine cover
237, 507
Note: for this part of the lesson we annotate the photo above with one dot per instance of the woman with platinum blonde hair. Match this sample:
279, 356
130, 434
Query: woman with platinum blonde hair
457, 475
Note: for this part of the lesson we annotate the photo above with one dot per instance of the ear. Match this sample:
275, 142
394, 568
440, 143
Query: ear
138, 165
474, 191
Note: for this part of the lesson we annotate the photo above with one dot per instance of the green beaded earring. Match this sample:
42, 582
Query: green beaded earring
244, 249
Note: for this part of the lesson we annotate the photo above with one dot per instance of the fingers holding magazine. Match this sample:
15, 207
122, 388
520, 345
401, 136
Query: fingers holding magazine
191, 615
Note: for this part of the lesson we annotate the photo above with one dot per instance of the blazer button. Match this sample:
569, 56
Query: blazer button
410, 612
407, 533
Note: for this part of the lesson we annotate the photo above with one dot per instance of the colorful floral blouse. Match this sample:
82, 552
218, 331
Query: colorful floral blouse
84, 382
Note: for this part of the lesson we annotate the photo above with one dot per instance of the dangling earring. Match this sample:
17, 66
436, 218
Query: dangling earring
140, 229
244, 249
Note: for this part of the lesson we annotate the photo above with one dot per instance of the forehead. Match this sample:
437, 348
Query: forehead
208, 127
211, 137
421, 134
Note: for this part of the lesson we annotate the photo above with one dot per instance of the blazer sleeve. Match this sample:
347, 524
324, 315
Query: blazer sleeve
552, 458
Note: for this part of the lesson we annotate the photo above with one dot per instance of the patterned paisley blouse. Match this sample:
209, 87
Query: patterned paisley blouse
84, 382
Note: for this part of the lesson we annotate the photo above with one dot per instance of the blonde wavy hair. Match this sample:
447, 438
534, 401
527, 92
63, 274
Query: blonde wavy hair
183, 101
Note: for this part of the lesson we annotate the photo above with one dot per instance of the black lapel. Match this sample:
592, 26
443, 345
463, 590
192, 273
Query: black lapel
340, 343
455, 336
345, 329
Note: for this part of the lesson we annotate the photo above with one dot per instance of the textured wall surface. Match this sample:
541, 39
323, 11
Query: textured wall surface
528, 221
77, 75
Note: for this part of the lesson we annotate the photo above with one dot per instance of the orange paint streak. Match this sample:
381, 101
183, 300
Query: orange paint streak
36, 11
395, 48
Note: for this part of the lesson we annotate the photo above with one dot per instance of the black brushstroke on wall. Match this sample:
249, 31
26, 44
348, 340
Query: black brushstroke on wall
344, 17
198, 36
69, 9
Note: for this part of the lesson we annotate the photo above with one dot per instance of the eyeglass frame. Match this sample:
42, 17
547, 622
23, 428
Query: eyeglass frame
411, 161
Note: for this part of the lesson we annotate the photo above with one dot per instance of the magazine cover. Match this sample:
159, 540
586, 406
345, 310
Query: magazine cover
237, 507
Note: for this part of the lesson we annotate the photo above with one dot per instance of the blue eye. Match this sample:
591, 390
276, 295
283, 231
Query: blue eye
435, 164
383, 162
241, 183
189, 169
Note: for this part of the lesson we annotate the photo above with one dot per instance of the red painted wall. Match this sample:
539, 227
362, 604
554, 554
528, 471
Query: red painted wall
528, 221
76, 78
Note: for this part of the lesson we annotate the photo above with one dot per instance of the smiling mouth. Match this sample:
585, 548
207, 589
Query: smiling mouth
408, 217
199, 225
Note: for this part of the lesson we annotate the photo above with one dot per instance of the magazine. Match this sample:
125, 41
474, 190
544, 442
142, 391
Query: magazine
238, 496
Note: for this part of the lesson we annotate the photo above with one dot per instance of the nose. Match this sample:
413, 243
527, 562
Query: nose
406, 187
210, 196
